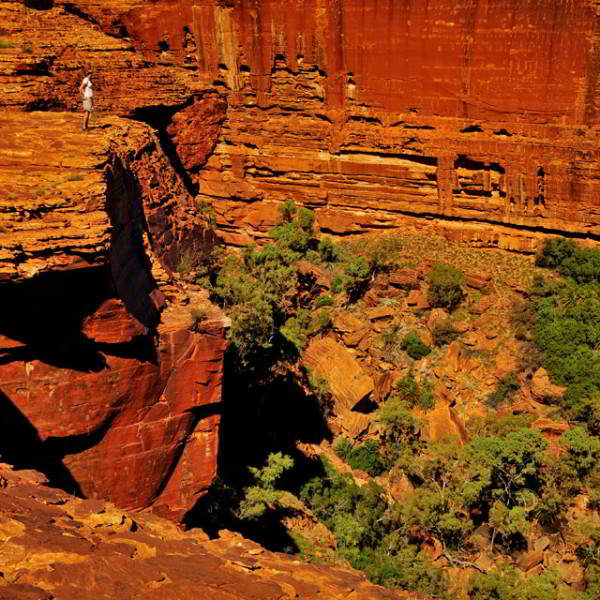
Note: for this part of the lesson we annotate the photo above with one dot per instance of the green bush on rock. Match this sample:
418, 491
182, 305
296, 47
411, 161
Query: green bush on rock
445, 286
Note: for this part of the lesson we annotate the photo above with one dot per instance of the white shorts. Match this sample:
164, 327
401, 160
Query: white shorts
87, 104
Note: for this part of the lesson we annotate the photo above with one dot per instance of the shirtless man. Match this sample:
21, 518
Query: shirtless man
87, 93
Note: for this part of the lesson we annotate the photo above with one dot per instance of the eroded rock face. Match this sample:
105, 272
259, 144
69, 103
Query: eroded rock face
374, 114
377, 115
57, 546
105, 384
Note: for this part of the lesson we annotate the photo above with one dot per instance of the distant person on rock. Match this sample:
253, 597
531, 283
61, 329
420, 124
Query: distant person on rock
87, 92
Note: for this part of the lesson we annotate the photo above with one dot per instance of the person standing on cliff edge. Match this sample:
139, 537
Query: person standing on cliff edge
87, 92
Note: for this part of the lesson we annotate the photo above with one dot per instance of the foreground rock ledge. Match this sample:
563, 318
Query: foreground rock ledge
55, 546
105, 385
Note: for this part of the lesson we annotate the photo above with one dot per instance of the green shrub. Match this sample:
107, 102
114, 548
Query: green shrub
589, 554
321, 322
296, 230
582, 454
426, 395
263, 493
318, 385
407, 389
358, 274
364, 457
502, 468
580, 264
324, 300
554, 252
4, 43
412, 394
297, 329
445, 286
207, 211
567, 332
505, 391
354, 514
337, 285
506, 584
329, 251
313, 257
543, 287
401, 430
414, 347
291, 235
406, 569
444, 333
252, 331
267, 476
594, 500
287, 211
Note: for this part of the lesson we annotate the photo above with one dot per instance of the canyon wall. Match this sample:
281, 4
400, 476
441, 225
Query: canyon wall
476, 119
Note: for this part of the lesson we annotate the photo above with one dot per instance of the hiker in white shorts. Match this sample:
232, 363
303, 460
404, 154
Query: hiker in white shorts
87, 92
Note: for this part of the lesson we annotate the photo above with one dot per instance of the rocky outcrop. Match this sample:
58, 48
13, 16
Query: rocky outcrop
107, 382
348, 383
56, 546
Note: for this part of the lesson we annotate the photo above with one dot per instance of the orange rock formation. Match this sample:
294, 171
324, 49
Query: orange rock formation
476, 119
104, 382
57, 546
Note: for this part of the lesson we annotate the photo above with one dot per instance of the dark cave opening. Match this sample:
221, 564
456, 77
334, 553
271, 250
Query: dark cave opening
259, 418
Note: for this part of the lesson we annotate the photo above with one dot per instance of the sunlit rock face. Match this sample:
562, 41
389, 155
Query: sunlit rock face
479, 120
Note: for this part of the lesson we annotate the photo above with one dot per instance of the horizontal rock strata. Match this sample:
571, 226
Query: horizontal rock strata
478, 120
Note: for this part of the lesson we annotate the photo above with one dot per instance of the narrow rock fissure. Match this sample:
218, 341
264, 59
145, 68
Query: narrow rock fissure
159, 118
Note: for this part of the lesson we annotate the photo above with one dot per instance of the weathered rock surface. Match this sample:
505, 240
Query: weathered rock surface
57, 547
104, 382
348, 383
376, 115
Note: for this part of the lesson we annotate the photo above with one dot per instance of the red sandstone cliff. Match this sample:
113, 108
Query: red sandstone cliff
104, 381
481, 117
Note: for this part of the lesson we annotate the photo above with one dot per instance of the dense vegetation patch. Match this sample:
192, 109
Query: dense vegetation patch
567, 329
502, 477
446, 286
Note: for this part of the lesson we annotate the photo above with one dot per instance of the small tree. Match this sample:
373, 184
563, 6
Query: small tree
445, 286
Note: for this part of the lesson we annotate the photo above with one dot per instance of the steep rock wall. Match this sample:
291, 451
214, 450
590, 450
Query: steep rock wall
476, 119
105, 381
480, 116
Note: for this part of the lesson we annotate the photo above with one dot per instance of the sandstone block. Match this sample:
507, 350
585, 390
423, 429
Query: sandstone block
349, 384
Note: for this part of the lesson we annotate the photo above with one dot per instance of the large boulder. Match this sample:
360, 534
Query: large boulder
348, 383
